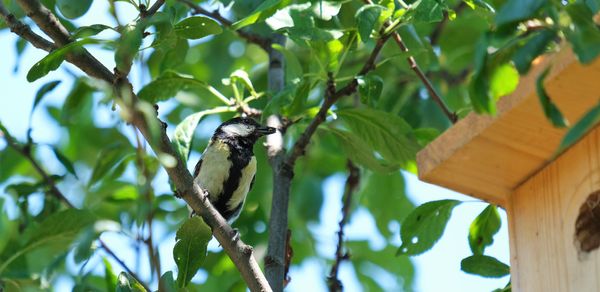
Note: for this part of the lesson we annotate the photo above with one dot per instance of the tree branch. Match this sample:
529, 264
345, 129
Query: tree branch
25, 31
52, 27
258, 40
351, 184
283, 166
153, 9
240, 253
275, 261
415, 67
25, 151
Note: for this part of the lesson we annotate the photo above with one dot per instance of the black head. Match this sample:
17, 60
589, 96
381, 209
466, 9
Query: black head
243, 130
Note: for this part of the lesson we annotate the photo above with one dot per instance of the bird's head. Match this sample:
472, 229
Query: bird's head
244, 130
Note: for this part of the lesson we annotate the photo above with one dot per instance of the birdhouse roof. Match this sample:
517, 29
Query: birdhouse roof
489, 156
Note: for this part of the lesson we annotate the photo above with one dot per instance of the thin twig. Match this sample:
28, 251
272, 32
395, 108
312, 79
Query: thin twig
331, 97
153, 9
122, 263
351, 185
240, 253
25, 151
412, 63
25, 31
249, 37
154, 257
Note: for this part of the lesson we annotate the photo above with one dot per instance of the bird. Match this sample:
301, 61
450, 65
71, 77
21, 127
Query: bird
227, 167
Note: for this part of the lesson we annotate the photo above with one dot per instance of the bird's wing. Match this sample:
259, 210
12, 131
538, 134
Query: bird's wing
252, 183
197, 168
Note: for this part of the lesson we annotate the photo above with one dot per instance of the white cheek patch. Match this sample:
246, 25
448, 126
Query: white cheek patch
238, 130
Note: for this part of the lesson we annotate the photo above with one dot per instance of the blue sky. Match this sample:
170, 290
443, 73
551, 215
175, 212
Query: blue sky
437, 269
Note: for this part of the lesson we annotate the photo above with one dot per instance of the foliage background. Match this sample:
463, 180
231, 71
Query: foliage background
121, 186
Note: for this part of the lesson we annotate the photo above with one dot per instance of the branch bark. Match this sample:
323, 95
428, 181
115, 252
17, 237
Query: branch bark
283, 167
240, 253
351, 184
282, 179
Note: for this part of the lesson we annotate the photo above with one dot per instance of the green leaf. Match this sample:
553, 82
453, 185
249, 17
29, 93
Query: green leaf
485, 266
197, 27
503, 81
483, 229
168, 85
242, 76
168, 283
386, 133
370, 88
366, 18
518, 10
190, 249
46, 88
358, 151
262, 12
64, 161
583, 33
184, 132
59, 228
479, 92
53, 60
108, 158
90, 30
430, 10
109, 276
128, 46
7, 227
424, 226
534, 47
73, 8
293, 68
550, 109
589, 120
127, 283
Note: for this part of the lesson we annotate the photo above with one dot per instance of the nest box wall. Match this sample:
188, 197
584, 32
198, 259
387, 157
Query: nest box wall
510, 160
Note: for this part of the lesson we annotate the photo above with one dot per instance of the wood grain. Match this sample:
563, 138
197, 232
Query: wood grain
488, 157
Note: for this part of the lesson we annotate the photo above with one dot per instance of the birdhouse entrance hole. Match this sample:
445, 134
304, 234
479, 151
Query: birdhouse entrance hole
587, 225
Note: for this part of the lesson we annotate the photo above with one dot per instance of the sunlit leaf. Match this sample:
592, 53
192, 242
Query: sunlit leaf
503, 80
262, 12
424, 226
53, 60
168, 85
90, 30
485, 266
127, 283
197, 27
483, 229
190, 249
361, 153
366, 18
386, 133
109, 276
550, 109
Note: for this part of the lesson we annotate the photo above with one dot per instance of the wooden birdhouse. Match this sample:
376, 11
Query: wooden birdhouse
552, 201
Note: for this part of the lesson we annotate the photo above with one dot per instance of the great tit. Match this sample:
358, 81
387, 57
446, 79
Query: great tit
227, 167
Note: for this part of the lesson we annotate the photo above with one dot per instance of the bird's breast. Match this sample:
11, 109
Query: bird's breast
215, 168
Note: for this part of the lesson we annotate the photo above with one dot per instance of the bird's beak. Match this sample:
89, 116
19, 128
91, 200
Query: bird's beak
265, 130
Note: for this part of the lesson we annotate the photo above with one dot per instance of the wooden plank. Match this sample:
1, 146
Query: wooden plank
542, 214
488, 157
